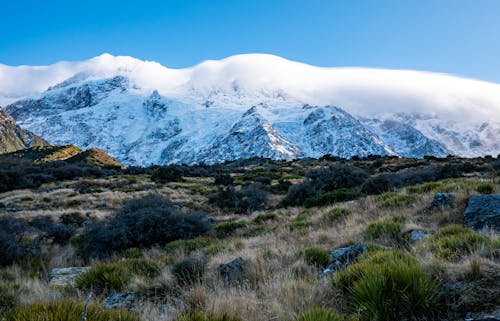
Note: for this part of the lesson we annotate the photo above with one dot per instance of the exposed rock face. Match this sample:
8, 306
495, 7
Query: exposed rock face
342, 257
441, 201
483, 212
13, 137
232, 271
66, 276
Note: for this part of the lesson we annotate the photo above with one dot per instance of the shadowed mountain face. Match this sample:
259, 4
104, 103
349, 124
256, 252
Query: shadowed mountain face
13, 137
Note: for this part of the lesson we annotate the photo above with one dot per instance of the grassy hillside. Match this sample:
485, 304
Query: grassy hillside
162, 233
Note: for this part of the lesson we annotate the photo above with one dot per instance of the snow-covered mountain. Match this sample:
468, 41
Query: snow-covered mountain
251, 105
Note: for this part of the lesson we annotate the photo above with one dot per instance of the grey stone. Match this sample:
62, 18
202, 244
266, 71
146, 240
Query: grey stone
417, 235
441, 201
233, 270
483, 212
66, 276
342, 257
120, 300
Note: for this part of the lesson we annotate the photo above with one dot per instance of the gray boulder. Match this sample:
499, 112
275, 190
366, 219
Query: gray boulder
441, 201
120, 300
66, 276
483, 212
232, 271
342, 257
417, 235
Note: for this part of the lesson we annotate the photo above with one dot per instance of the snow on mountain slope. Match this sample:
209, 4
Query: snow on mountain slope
251, 105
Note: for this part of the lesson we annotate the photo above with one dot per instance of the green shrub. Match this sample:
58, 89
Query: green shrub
143, 267
423, 188
317, 256
338, 195
207, 244
264, 217
73, 203
485, 188
455, 241
393, 199
226, 228
300, 222
385, 230
104, 277
206, 317
9, 297
335, 214
133, 253
189, 270
69, 310
388, 286
318, 314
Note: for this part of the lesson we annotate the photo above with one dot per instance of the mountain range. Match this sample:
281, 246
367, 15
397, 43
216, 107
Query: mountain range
143, 113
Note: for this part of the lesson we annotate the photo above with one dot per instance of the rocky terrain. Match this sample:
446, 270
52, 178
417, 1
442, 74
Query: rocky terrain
254, 239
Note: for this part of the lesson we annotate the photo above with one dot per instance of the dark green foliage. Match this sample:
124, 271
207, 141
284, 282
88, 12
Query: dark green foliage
339, 195
388, 286
485, 188
75, 219
189, 270
57, 232
339, 179
388, 230
335, 214
318, 314
14, 247
104, 277
142, 223
207, 244
317, 256
165, 174
251, 197
454, 241
226, 228
223, 179
69, 310
143, 267
9, 296
280, 188
380, 184
393, 199
264, 217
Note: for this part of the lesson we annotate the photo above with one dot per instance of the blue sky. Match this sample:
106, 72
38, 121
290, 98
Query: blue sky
457, 36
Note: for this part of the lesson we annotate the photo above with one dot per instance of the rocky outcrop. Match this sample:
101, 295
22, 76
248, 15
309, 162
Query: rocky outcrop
66, 276
232, 271
120, 300
13, 137
441, 201
342, 257
483, 212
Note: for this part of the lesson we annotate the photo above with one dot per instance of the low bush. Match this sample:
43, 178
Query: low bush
384, 230
334, 215
318, 314
485, 188
15, 246
424, 188
317, 256
166, 174
57, 232
143, 267
380, 184
339, 195
152, 220
223, 179
300, 222
227, 228
393, 199
264, 217
73, 219
454, 242
104, 277
9, 296
388, 286
193, 245
189, 270
69, 310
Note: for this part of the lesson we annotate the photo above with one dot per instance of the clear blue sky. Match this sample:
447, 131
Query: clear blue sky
454, 36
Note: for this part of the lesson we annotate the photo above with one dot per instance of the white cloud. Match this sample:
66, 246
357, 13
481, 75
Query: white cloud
362, 91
